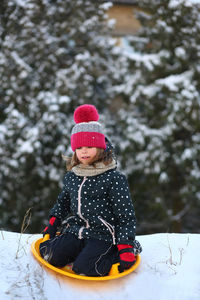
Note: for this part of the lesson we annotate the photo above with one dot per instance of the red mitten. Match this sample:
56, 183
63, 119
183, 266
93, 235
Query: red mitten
127, 256
52, 227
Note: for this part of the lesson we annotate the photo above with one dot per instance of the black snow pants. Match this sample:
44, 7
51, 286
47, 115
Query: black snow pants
90, 257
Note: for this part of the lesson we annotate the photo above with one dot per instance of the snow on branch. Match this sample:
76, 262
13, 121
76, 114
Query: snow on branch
20, 61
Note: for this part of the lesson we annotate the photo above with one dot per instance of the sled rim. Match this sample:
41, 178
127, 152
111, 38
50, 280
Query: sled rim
66, 272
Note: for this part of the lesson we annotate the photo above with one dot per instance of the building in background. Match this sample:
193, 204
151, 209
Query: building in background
123, 11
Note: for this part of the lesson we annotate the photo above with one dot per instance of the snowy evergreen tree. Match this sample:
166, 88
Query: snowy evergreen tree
54, 55
162, 117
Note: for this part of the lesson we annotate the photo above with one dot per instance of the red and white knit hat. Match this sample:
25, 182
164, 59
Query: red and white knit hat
87, 132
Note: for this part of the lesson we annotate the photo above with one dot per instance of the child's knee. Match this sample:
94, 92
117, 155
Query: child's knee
50, 255
79, 267
44, 250
92, 268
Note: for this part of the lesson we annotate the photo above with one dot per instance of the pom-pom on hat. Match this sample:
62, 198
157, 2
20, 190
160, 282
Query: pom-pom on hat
87, 132
86, 113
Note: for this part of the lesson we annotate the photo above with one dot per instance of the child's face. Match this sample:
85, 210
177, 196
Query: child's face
86, 154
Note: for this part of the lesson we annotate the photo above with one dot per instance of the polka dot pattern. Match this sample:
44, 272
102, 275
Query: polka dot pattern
104, 202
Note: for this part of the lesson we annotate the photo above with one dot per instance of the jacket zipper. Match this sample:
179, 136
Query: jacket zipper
110, 228
79, 210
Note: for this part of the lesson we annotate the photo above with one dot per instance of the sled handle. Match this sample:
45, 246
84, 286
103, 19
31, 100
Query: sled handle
114, 269
46, 237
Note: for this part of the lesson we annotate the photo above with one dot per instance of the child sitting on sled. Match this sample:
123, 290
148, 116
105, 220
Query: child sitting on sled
94, 209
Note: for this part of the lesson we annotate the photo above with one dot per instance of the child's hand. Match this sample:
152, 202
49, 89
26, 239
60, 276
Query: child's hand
127, 257
52, 227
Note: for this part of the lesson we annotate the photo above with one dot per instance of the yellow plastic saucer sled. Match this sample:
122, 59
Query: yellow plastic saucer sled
67, 271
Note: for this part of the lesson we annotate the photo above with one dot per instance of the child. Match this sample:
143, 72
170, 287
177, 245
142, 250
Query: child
94, 206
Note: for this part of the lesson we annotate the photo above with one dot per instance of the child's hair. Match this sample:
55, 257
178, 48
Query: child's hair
103, 156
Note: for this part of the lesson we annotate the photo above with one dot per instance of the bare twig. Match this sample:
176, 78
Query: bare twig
188, 240
181, 255
2, 235
170, 251
26, 220
25, 224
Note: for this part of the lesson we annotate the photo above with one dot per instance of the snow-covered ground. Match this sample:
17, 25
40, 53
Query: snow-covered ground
170, 269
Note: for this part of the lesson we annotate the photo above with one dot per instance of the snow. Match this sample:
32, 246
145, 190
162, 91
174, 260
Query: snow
180, 52
149, 60
20, 61
169, 269
172, 81
21, 2
175, 3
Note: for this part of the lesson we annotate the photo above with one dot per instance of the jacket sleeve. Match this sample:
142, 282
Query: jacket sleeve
123, 210
62, 206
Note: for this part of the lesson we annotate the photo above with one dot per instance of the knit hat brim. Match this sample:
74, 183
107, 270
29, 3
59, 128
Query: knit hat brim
88, 139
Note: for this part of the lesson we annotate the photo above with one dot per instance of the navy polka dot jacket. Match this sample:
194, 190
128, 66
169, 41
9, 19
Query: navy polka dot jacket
97, 206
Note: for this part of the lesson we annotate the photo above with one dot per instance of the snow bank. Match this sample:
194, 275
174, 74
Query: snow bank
169, 269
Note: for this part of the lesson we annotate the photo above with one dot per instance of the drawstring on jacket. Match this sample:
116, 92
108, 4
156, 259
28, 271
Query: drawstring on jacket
110, 228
